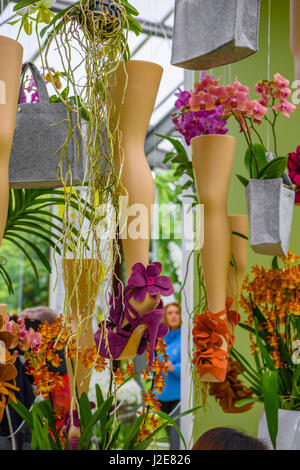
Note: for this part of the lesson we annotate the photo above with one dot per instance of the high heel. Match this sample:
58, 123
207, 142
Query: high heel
118, 341
209, 333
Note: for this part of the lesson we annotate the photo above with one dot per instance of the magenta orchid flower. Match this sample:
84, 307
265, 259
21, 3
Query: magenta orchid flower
294, 171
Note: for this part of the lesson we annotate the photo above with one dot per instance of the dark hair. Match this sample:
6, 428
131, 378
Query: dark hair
227, 439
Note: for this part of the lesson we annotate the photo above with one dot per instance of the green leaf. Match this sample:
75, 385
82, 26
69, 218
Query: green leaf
274, 168
245, 401
5, 276
23, 412
47, 411
100, 413
264, 351
99, 396
85, 410
133, 433
271, 402
12, 240
259, 161
65, 93
243, 180
171, 421
22, 4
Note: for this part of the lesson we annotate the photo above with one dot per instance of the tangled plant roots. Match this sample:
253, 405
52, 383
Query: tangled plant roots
90, 46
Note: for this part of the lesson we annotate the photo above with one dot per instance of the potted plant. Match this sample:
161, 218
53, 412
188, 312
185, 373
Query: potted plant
269, 191
99, 424
270, 299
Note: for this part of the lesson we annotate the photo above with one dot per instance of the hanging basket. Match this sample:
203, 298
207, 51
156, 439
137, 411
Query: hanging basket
270, 207
210, 33
40, 130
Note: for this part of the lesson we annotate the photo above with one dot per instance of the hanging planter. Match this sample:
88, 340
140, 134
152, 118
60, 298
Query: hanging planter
40, 130
210, 33
103, 15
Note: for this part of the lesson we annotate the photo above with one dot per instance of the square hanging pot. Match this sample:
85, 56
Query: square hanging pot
40, 130
270, 207
210, 33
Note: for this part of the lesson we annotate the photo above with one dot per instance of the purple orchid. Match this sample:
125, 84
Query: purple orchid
193, 123
294, 171
148, 280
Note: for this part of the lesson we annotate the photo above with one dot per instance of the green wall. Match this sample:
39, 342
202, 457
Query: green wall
249, 71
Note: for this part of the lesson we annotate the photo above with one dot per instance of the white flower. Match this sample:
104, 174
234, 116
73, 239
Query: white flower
130, 392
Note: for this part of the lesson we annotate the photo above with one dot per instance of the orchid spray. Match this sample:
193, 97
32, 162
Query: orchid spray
234, 101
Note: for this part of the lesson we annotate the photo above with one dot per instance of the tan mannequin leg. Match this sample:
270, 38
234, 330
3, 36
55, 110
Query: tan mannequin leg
134, 117
295, 37
3, 314
10, 70
237, 223
82, 301
212, 157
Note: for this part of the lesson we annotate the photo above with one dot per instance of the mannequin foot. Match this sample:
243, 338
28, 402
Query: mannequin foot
212, 337
136, 315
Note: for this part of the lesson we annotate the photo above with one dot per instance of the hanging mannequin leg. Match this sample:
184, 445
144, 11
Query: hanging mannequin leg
239, 246
10, 70
134, 117
212, 157
295, 36
212, 163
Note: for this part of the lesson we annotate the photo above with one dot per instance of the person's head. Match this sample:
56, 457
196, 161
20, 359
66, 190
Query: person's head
172, 316
227, 439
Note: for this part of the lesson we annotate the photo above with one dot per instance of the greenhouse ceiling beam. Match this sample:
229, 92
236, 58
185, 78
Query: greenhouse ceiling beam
164, 127
162, 23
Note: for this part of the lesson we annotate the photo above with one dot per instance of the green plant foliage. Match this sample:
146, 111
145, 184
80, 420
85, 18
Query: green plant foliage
29, 219
41, 421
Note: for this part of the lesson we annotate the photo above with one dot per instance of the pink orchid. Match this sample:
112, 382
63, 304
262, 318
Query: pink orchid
256, 109
284, 107
280, 81
32, 339
281, 93
202, 100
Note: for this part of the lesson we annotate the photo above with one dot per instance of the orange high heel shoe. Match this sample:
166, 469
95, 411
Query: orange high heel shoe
209, 333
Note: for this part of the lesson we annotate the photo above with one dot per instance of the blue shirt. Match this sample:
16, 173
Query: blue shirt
172, 389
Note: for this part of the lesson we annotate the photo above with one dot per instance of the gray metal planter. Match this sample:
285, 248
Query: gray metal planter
40, 130
270, 207
210, 33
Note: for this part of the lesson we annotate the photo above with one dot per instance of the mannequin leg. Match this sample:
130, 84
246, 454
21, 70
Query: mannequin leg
237, 223
212, 157
295, 36
212, 164
82, 297
10, 70
143, 79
